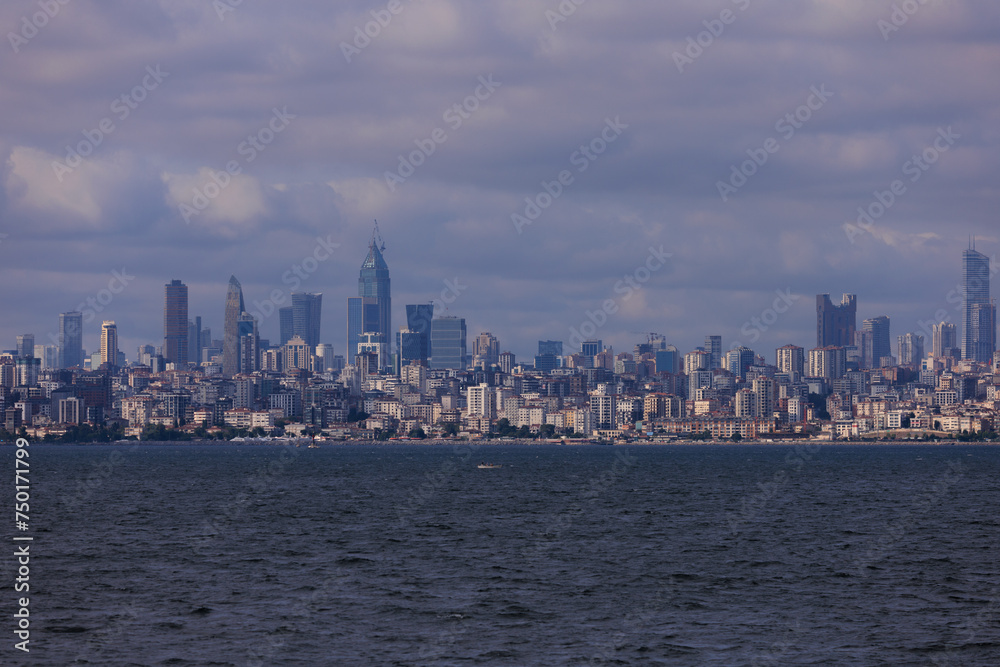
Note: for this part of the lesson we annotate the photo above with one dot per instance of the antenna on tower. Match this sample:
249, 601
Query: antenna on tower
378, 235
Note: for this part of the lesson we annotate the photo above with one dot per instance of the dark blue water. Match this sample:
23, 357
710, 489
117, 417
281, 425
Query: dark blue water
410, 555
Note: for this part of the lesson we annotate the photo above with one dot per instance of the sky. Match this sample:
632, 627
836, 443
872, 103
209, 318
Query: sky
546, 170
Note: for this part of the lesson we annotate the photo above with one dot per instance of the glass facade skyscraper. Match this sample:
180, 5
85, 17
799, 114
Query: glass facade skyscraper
448, 343
71, 339
306, 317
418, 320
979, 311
230, 328
370, 311
175, 322
835, 325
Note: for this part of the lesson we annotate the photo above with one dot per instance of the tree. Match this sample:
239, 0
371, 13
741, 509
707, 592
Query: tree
547, 431
449, 429
417, 433
737, 436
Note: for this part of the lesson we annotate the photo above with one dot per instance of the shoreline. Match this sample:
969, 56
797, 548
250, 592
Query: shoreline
429, 442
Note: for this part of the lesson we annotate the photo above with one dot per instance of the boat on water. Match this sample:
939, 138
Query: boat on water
489, 466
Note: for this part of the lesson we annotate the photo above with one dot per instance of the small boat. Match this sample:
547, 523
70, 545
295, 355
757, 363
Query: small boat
489, 466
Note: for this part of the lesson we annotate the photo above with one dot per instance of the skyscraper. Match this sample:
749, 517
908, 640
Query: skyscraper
874, 353
713, 345
109, 344
231, 328
195, 341
370, 311
249, 343
175, 323
911, 349
306, 317
26, 345
944, 340
792, 359
71, 339
835, 325
553, 347
448, 343
979, 323
286, 324
418, 320
485, 350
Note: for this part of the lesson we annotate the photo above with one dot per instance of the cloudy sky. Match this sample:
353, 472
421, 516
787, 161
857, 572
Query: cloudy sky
121, 118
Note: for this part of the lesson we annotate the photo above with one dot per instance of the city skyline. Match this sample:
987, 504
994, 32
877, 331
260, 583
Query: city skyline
884, 170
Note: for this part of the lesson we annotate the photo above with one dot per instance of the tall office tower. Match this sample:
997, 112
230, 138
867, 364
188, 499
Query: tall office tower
196, 340
554, 347
485, 350
49, 354
448, 343
827, 362
249, 343
231, 328
324, 351
591, 348
296, 354
984, 318
306, 317
363, 314
792, 359
739, 360
371, 310
668, 360
977, 336
71, 339
713, 345
418, 320
881, 342
835, 325
911, 349
507, 361
372, 355
944, 340
286, 324
26, 345
175, 323
109, 344
409, 347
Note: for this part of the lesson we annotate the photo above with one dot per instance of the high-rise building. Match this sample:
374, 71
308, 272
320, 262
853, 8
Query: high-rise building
231, 328
911, 349
827, 362
507, 361
835, 325
739, 360
713, 345
448, 343
979, 320
175, 322
418, 321
306, 316
195, 341
791, 359
286, 324
249, 343
71, 339
49, 354
26, 345
109, 344
591, 348
697, 360
944, 340
876, 346
485, 350
554, 347
371, 310
296, 354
